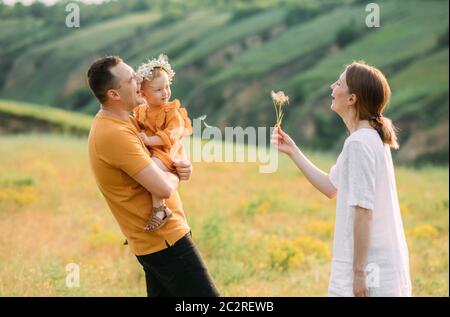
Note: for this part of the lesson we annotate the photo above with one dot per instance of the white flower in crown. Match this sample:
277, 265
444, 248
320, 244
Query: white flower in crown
146, 69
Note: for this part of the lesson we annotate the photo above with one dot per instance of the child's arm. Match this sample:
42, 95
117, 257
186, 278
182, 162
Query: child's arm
168, 136
173, 130
153, 140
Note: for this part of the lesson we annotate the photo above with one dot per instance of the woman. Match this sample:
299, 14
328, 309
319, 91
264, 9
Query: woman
370, 255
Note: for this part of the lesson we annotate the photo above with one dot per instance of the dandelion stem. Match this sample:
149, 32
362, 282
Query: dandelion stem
276, 111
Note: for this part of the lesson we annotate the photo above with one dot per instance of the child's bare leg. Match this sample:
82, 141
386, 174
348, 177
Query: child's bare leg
158, 201
160, 211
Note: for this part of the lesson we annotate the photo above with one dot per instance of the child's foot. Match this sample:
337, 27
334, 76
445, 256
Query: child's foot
159, 217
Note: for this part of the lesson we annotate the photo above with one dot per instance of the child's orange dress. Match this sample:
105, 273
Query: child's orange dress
171, 123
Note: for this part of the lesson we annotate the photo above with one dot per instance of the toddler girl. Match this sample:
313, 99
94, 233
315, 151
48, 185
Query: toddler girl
163, 124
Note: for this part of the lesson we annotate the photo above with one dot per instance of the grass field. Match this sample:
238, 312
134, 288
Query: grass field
260, 234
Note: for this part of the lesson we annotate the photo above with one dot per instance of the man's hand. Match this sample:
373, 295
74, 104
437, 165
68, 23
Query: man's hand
359, 285
184, 169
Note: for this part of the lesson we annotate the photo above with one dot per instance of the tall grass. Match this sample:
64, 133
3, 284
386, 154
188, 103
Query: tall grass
260, 234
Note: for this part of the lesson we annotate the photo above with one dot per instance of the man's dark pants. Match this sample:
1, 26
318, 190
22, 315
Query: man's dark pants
177, 271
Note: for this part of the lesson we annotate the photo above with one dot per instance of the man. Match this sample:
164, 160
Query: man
126, 176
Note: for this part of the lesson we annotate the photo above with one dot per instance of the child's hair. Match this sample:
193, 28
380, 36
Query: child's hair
157, 72
154, 68
373, 94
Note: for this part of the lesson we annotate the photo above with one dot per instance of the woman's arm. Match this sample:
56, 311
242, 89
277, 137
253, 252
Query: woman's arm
318, 178
315, 175
361, 242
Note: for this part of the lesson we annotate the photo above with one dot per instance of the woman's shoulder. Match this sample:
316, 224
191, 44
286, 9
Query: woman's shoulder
365, 137
365, 144
363, 134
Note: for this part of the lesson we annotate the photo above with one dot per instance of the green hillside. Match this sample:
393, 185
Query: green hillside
20, 117
228, 55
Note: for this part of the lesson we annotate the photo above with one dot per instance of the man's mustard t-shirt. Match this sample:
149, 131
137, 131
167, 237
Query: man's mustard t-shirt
116, 154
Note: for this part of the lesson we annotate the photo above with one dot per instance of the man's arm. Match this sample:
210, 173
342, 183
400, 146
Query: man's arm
156, 181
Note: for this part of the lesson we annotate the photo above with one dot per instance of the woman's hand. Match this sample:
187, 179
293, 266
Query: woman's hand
359, 285
282, 141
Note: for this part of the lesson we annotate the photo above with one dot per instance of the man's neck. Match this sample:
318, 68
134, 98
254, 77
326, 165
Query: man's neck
114, 112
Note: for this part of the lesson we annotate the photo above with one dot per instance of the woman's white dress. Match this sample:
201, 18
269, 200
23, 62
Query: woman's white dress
364, 176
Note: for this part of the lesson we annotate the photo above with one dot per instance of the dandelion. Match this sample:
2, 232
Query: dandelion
203, 119
279, 100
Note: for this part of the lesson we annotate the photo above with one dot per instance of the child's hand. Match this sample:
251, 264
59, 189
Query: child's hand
143, 137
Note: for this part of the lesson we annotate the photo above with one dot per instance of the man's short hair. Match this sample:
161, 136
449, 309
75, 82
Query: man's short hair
100, 77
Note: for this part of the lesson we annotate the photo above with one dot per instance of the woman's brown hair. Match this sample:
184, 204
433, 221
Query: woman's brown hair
373, 94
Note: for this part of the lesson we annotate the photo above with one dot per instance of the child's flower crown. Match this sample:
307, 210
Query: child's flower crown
146, 69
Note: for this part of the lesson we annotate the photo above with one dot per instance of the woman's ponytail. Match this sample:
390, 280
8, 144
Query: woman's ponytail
386, 130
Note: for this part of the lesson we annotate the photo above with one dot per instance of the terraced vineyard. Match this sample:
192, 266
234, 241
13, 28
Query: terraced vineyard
228, 57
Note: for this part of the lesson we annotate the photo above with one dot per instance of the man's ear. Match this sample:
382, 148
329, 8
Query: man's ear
113, 94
